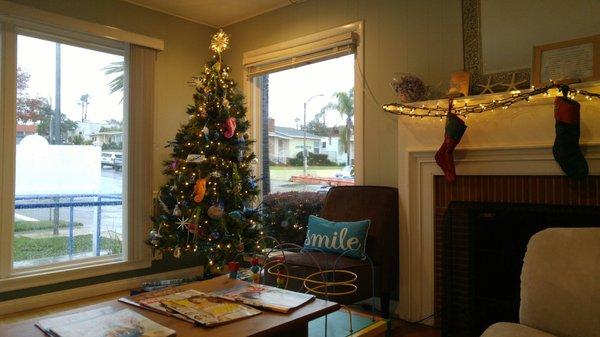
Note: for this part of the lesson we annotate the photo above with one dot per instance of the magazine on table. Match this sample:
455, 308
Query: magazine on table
210, 310
151, 301
266, 297
46, 324
123, 323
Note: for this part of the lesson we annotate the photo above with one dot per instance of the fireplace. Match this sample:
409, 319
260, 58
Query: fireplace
516, 174
483, 245
549, 190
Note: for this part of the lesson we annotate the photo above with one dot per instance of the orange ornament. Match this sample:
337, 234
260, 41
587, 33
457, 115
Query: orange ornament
200, 190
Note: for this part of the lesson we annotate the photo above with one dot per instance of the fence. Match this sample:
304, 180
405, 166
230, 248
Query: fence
71, 201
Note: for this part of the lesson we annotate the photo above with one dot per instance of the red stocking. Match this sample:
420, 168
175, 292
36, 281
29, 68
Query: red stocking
455, 128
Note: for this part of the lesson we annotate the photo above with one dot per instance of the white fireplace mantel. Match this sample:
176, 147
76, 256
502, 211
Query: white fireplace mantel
417, 273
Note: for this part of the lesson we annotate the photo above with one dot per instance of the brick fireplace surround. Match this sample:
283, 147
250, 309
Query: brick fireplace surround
553, 190
524, 174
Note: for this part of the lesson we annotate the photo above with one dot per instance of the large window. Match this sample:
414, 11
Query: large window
69, 161
75, 145
310, 126
306, 100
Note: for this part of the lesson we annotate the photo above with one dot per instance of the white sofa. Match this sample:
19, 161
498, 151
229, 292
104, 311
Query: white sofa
560, 286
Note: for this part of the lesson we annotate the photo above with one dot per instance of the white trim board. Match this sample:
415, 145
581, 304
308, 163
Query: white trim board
57, 297
251, 88
420, 207
12, 11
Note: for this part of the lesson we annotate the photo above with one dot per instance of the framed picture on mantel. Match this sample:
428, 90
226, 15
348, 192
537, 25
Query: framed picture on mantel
577, 59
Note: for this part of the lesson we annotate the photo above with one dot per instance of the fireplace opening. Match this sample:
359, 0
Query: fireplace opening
482, 226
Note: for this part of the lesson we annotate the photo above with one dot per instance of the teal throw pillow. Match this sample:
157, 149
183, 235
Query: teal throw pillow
337, 237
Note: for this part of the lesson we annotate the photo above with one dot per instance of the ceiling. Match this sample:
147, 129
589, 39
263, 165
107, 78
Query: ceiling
215, 13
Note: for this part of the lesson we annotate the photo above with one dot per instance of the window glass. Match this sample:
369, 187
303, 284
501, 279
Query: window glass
310, 126
69, 153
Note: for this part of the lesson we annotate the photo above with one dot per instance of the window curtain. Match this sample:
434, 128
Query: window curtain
140, 124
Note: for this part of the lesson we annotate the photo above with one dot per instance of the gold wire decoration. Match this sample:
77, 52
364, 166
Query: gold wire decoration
316, 285
219, 42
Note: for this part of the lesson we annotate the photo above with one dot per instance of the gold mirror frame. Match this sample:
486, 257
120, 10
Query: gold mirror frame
472, 54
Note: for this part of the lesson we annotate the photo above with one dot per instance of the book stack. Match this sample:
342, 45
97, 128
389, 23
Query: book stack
101, 322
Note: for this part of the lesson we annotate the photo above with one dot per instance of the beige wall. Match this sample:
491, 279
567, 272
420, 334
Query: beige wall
424, 38
417, 36
186, 49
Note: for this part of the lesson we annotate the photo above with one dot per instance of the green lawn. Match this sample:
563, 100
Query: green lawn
26, 226
285, 172
25, 248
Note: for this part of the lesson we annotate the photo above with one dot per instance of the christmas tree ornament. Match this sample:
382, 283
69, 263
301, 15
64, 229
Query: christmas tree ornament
280, 280
200, 190
215, 235
240, 247
240, 139
183, 222
255, 269
444, 157
566, 150
174, 165
237, 214
177, 211
230, 126
192, 228
154, 237
205, 130
177, 252
233, 267
215, 212
226, 103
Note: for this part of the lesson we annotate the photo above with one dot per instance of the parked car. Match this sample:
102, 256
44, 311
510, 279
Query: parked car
118, 162
108, 159
345, 173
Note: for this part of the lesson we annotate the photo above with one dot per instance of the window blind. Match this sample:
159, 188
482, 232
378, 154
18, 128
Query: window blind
260, 62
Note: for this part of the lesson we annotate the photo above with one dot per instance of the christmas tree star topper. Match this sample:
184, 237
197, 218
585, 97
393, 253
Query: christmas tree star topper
219, 42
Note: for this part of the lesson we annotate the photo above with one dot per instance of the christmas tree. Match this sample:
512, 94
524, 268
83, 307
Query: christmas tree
205, 207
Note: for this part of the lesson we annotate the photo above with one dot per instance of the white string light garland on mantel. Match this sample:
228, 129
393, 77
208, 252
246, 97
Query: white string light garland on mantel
437, 111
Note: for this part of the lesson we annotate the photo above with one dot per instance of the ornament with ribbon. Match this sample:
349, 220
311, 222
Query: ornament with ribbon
230, 126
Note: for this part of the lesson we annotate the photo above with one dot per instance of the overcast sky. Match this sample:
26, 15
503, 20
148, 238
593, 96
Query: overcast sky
289, 89
82, 73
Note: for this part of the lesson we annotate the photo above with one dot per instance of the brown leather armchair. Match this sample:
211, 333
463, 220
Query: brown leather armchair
353, 203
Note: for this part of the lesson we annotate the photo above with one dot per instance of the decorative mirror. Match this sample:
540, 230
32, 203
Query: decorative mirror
473, 59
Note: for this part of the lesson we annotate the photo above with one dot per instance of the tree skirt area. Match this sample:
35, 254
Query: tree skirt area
338, 325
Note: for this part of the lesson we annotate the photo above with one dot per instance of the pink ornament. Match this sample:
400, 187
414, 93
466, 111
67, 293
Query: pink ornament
230, 125
174, 165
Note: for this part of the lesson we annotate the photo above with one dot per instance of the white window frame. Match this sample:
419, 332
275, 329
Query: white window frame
252, 85
15, 19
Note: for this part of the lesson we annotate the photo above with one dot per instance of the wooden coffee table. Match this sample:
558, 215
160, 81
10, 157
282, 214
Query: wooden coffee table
268, 323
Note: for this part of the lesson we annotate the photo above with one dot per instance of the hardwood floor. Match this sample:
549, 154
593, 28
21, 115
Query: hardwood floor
399, 328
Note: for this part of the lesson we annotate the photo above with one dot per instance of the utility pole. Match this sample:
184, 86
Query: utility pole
55, 135
304, 152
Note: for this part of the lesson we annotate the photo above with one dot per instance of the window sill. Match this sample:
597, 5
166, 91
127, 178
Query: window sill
40, 277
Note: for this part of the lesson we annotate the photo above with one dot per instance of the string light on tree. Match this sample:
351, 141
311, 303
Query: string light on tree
201, 210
